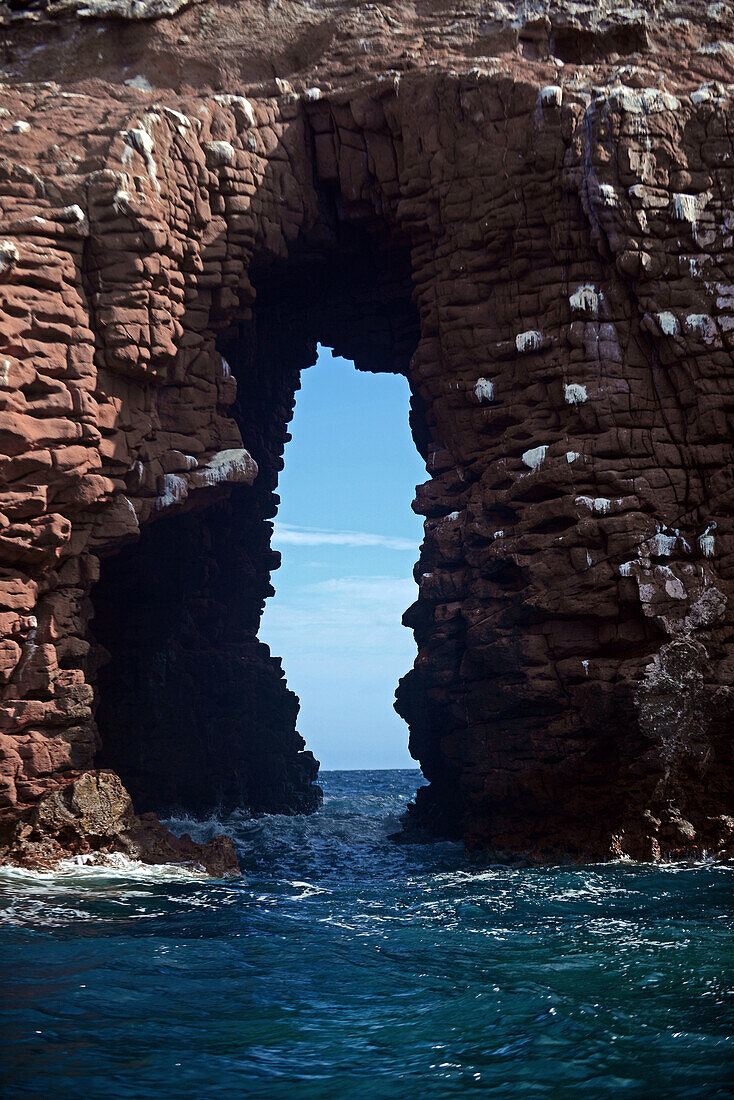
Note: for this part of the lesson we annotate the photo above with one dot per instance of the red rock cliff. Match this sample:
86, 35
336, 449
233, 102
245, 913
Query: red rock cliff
530, 216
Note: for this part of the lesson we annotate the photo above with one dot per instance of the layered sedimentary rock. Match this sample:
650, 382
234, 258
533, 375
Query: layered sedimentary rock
528, 213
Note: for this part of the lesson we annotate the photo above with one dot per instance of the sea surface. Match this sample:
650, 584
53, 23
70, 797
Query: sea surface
344, 965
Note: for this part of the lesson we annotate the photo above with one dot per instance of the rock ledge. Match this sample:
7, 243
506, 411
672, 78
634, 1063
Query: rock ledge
93, 816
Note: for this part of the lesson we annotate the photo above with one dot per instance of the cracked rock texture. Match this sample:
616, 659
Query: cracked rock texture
524, 208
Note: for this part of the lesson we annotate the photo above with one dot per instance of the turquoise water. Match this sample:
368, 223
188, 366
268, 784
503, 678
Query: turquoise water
344, 965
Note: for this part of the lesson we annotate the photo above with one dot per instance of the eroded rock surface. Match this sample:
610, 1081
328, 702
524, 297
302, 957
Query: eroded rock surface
92, 818
529, 213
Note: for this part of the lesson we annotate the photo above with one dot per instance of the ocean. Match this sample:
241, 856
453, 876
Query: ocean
344, 965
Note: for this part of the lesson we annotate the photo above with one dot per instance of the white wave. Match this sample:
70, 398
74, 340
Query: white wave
309, 890
237, 825
98, 867
71, 890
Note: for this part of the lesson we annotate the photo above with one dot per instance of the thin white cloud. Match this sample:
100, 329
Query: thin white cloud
289, 534
341, 615
377, 589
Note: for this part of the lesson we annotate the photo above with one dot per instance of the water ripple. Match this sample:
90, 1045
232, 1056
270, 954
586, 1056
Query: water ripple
341, 964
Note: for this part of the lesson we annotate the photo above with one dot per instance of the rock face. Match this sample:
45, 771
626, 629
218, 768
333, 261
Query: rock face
530, 216
92, 818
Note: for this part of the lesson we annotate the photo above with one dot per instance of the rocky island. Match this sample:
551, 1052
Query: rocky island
526, 209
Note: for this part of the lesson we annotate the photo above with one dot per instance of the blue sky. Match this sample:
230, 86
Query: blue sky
348, 540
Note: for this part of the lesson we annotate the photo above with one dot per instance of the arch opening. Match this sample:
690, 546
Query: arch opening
193, 711
348, 540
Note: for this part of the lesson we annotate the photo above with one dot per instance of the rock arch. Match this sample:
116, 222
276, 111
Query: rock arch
193, 711
516, 248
